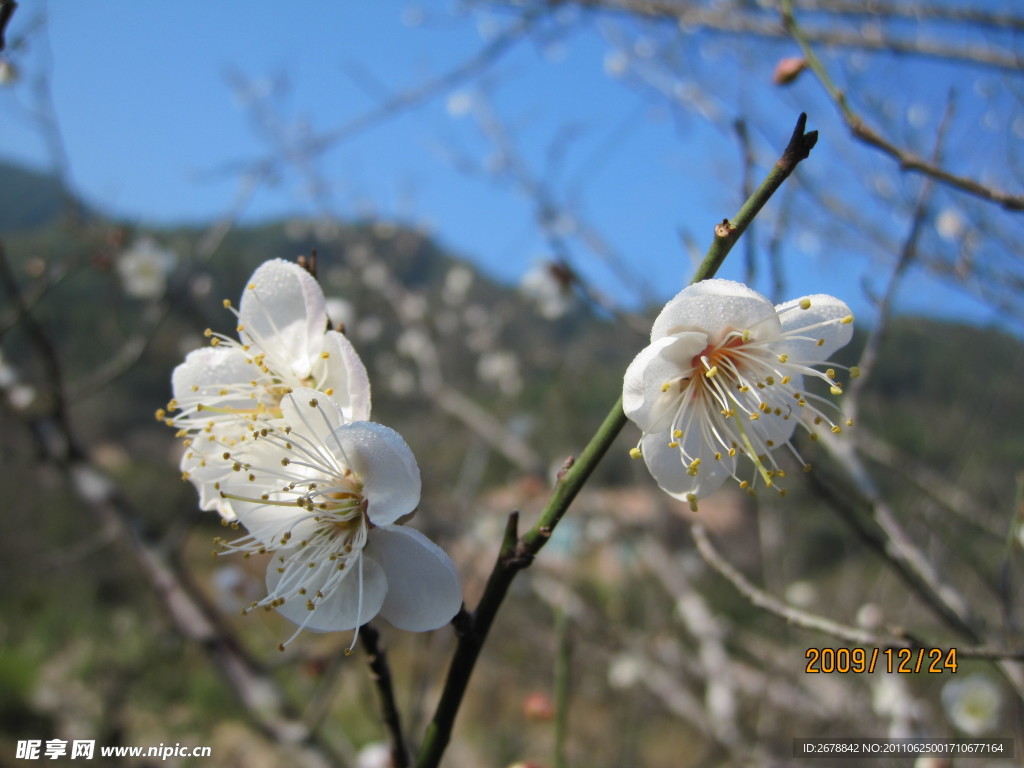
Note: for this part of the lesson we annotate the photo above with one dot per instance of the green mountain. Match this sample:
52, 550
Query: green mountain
31, 199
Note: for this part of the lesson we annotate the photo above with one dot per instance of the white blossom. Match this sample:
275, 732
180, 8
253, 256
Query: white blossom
327, 498
144, 268
972, 703
221, 391
723, 378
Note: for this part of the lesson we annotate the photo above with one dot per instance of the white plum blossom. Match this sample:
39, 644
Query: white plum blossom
548, 285
222, 391
144, 268
972, 703
723, 377
327, 498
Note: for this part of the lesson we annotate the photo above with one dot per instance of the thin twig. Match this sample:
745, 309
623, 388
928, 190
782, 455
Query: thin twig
907, 160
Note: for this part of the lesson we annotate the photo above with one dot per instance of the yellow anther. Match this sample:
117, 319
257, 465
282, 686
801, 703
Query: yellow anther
807, 467
710, 373
666, 386
854, 372
755, 416
847, 320
820, 342
746, 336
785, 379
732, 453
634, 453
805, 303
673, 444
836, 429
677, 434
783, 358
207, 333
831, 373
835, 390
692, 499
324, 355
744, 484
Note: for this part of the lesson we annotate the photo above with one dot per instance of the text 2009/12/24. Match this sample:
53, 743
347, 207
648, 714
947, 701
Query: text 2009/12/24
901, 660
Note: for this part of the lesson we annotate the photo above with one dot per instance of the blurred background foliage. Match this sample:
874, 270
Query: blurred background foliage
86, 649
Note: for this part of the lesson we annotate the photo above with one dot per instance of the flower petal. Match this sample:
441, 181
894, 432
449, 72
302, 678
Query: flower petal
423, 586
344, 373
644, 400
716, 307
823, 309
284, 312
355, 601
385, 466
207, 372
666, 467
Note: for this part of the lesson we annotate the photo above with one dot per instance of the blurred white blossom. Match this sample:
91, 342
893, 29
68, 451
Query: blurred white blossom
144, 268
972, 703
549, 287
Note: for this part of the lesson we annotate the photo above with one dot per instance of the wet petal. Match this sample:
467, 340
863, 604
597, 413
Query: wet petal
344, 372
385, 466
423, 586
823, 309
716, 307
283, 310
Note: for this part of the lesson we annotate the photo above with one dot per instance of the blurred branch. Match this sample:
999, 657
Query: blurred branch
763, 600
895, 546
745, 19
908, 253
907, 160
7, 8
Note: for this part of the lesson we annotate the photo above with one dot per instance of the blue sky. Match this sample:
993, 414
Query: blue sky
153, 127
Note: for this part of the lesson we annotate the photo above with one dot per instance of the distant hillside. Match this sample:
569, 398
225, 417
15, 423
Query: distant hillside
33, 199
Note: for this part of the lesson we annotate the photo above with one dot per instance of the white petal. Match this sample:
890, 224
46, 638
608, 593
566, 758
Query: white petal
344, 372
423, 585
716, 307
384, 464
316, 423
667, 358
283, 310
823, 309
668, 470
342, 609
208, 474
208, 370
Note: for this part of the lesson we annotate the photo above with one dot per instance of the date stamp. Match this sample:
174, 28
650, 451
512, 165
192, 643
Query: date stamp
866, 660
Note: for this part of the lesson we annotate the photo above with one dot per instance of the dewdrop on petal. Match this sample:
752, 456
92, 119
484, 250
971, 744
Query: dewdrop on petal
723, 378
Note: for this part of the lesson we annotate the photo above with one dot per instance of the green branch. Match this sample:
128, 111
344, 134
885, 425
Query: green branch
517, 552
